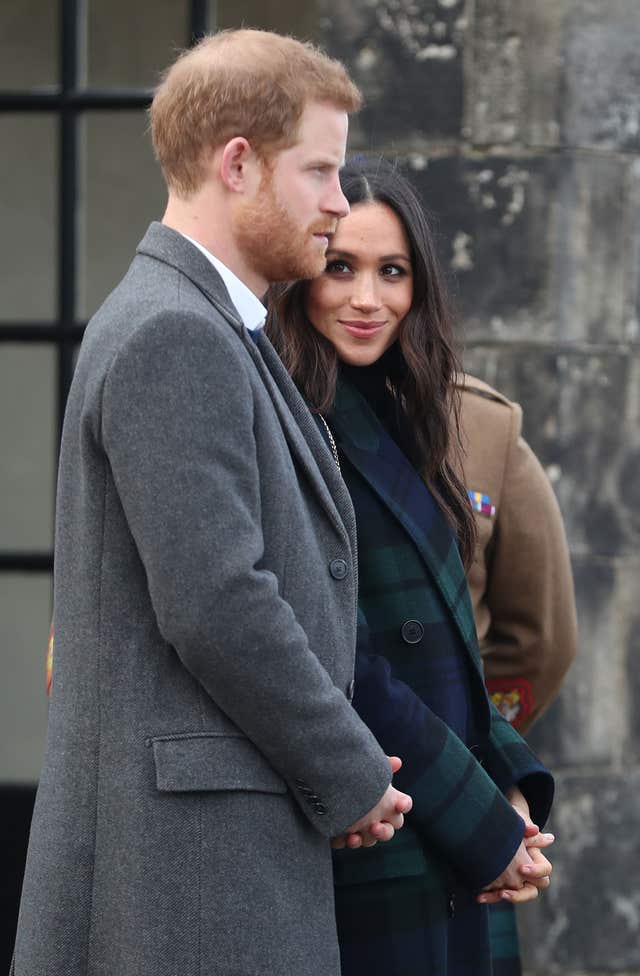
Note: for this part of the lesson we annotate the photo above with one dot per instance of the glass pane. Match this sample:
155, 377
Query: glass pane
128, 44
28, 211
124, 191
27, 446
285, 16
25, 611
29, 44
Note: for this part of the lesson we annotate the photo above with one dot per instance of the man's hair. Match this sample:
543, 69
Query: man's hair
247, 83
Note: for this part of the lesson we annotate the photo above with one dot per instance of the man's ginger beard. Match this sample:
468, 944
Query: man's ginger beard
272, 243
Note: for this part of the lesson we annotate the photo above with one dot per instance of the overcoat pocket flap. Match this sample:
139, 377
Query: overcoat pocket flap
212, 762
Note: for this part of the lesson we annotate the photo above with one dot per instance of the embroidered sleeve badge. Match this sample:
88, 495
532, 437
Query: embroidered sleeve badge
511, 696
482, 503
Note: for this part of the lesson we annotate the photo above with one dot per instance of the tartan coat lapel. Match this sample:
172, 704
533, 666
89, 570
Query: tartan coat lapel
381, 462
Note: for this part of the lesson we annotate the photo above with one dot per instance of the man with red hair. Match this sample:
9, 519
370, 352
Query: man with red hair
202, 751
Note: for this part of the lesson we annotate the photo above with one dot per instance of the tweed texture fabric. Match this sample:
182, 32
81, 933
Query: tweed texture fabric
200, 750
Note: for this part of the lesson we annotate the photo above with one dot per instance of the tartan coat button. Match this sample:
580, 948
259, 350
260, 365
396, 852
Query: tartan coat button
338, 569
412, 631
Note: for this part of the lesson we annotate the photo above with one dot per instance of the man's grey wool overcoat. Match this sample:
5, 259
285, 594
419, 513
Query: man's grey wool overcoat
201, 748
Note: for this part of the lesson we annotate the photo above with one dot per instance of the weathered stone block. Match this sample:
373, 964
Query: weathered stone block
539, 245
582, 417
601, 74
588, 723
406, 55
589, 919
629, 676
493, 216
592, 236
514, 75
632, 253
561, 72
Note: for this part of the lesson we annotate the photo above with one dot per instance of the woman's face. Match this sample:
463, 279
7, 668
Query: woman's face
361, 298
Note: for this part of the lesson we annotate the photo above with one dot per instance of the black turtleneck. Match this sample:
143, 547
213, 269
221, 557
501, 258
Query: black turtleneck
373, 383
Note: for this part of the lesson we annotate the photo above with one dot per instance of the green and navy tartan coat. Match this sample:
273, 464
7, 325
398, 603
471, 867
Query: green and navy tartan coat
407, 907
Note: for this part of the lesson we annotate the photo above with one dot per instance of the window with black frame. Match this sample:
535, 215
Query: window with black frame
78, 186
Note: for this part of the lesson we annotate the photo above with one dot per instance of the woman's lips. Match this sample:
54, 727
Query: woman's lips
362, 329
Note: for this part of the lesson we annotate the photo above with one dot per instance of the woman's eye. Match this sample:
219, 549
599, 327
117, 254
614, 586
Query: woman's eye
337, 267
392, 271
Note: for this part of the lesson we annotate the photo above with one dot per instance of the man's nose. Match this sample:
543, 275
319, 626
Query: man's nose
335, 201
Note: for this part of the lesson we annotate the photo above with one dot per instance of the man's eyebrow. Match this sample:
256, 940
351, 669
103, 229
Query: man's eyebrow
325, 161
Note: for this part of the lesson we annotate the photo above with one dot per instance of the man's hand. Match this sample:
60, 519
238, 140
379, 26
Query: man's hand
381, 822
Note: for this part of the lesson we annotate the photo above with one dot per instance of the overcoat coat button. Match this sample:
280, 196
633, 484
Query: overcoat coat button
412, 631
338, 568
351, 687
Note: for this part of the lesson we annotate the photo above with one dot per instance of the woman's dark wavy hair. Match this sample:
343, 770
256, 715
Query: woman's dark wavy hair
422, 375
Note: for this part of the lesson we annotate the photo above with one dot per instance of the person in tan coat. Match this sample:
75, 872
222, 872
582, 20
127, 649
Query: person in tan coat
520, 583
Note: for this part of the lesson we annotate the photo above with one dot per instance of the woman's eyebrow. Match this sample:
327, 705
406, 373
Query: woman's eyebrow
383, 257
396, 257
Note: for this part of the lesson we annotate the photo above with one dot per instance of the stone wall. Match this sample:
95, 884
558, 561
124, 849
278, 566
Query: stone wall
520, 120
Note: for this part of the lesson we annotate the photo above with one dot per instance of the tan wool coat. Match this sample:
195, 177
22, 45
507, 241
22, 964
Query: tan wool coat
520, 581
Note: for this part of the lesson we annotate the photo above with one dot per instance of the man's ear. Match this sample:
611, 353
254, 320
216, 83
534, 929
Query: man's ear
239, 165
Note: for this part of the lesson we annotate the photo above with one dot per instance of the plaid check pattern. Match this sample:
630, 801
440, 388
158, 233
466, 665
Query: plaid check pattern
420, 689
504, 942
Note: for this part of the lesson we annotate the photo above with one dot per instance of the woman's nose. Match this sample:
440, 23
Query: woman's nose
366, 296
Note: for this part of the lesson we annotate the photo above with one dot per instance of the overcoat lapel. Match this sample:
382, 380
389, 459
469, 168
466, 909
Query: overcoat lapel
302, 435
381, 462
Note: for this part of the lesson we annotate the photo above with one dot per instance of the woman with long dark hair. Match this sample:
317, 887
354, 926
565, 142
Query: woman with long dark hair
370, 345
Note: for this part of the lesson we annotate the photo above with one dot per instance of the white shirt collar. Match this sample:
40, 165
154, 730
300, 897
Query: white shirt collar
249, 308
